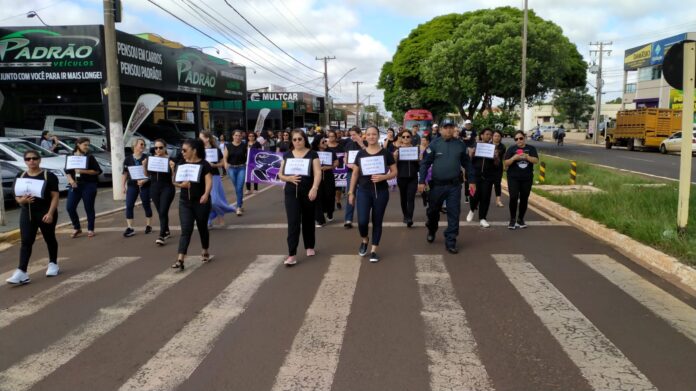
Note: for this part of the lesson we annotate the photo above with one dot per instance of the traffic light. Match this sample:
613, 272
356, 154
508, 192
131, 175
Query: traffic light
118, 11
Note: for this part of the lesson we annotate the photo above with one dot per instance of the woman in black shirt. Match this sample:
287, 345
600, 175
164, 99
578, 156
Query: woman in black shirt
487, 171
194, 199
373, 190
235, 157
134, 187
36, 213
327, 188
218, 199
162, 189
520, 160
334, 145
300, 193
83, 187
284, 144
407, 179
252, 143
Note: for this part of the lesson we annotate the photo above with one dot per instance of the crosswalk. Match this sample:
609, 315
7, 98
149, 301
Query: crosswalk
314, 354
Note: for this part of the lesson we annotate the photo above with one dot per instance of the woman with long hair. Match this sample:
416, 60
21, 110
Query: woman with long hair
301, 171
487, 171
327, 188
133, 188
38, 212
284, 143
194, 199
407, 179
83, 187
520, 160
219, 205
162, 188
252, 143
235, 158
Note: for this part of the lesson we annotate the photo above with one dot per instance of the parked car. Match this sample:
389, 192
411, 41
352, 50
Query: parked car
186, 129
673, 143
66, 145
60, 125
12, 151
9, 173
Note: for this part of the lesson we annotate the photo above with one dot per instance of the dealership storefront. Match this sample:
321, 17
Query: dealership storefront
60, 70
287, 109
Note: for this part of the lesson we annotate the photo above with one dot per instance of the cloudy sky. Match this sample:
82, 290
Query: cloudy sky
361, 34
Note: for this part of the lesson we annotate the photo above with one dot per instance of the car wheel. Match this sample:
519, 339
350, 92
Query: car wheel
663, 150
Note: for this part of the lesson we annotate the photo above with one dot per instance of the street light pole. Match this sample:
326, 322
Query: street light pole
523, 85
113, 93
327, 120
357, 103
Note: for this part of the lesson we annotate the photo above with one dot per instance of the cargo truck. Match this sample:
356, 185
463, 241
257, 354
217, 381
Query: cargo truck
643, 128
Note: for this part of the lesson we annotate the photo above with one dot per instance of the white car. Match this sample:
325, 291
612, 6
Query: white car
12, 151
673, 143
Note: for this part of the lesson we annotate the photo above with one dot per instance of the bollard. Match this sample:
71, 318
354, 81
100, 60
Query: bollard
573, 172
542, 172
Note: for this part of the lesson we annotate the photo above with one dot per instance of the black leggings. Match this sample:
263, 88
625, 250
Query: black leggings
519, 191
300, 212
326, 198
407, 191
190, 213
482, 198
248, 186
498, 190
28, 226
162, 195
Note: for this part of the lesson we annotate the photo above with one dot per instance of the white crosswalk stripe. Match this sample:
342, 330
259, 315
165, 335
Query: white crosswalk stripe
674, 311
35, 367
36, 303
312, 361
450, 344
601, 363
175, 362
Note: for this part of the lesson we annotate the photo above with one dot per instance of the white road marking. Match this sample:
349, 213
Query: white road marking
32, 369
637, 159
177, 360
599, 360
450, 344
312, 361
34, 267
678, 314
41, 300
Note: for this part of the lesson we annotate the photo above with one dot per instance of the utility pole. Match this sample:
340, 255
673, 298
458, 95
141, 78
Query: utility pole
598, 98
368, 96
523, 85
687, 123
326, 90
113, 93
357, 103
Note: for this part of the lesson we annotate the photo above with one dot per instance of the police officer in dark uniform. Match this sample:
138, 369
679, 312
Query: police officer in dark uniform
447, 155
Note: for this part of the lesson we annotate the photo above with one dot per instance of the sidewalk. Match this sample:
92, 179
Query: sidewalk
574, 138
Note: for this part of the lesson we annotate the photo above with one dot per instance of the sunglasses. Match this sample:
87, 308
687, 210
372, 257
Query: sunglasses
298, 139
156, 147
405, 136
519, 138
30, 158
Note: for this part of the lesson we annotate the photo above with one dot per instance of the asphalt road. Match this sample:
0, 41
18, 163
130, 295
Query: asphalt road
649, 162
546, 308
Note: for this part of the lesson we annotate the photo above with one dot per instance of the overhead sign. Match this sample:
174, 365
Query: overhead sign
650, 54
275, 96
673, 68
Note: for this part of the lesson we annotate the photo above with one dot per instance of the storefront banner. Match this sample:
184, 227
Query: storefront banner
143, 107
261, 119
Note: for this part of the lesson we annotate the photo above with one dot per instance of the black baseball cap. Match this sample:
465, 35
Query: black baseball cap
447, 122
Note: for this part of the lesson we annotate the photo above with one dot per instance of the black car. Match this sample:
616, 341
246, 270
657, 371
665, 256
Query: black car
9, 173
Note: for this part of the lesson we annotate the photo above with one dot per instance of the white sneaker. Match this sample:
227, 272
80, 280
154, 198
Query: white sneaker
52, 269
19, 277
484, 223
470, 216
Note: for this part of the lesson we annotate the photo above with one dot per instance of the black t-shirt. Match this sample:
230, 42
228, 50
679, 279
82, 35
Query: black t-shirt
197, 189
215, 170
162, 177
236, 154
307, 180
92, 164
408, 168
365, 181
521, 169
132, 161
283, 146
43, 204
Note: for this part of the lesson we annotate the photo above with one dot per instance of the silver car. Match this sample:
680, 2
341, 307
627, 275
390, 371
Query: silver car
66, 145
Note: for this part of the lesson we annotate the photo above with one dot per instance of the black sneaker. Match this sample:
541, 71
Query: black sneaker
128, 232
148, 229
363, 249
160, 241
409, 223
348, 224
374, 258
521, 223
338, 205
452, 249
167, 235
512, 225
431, 237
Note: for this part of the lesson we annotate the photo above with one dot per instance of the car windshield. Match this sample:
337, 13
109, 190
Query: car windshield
70, 142
169, 135
19, 147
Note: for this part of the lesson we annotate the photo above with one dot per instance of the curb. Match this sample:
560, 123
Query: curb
646, 256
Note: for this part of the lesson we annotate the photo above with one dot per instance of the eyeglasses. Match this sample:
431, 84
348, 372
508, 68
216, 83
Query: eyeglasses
519, 138
156, 147
405, 136
29, 158
298, 139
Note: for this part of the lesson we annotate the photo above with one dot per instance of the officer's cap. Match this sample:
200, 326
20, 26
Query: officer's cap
447, 122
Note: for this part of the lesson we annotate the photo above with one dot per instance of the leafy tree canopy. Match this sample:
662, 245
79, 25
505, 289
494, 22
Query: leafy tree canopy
574, 105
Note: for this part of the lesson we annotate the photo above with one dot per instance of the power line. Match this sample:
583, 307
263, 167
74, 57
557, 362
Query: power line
24, 14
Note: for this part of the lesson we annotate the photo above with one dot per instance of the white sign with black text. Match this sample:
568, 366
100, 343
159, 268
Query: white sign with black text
211, 155
351, 156
373, 165
485, 150
325, 158
29, 187
158, 164
188, 173
76, 162
294, 166
408, 153
137, 173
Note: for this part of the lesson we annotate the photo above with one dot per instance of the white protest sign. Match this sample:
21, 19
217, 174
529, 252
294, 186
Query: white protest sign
297, 167
325, 158
158, 164
188, 173
373, 165
485, 150
76, 162
30, 187
211, 155
408, 153
137, 173
351, 156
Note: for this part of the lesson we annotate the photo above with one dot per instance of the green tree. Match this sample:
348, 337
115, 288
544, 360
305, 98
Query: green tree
481, 61
615, 101
574, 105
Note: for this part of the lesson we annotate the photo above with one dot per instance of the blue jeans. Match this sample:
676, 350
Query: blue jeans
349, 208
452, 195
132, 192
371, 204
86, 192
236, 175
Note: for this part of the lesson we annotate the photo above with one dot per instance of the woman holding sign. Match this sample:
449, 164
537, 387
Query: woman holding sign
217, 196
160, 168
520, 160
195, 180
407, 157
373, 167
302, 172
327, 188
488, 164
136, 183
83, 173
36, 192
